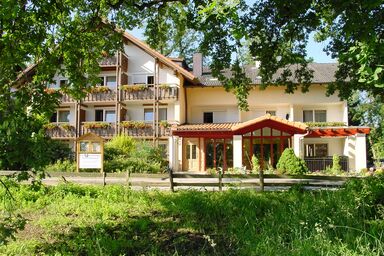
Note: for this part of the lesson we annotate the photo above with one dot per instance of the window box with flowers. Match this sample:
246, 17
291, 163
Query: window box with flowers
66, 127
52, 91
135, 125
134, 88
96, 125
99, 89
50, 126
164, 124
165, 86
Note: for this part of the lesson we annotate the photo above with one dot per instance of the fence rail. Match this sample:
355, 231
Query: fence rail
176, 181
322, 163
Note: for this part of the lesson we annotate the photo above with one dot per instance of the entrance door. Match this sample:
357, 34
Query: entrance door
191, 157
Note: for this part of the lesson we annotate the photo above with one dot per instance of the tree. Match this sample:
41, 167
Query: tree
279, 31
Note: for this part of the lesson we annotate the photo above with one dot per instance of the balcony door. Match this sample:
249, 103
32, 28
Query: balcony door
191, 155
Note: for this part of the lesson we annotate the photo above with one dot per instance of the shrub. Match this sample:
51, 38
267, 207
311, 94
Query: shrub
119, 146
61, 166
255, 164
57, 150
336, 167
289, 163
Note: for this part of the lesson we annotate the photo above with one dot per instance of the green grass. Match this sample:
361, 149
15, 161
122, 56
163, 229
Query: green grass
86, 220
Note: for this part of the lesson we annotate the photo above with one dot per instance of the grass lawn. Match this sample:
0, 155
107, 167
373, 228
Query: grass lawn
86, 220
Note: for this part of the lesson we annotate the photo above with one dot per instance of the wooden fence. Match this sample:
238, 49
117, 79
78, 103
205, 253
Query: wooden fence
179, 180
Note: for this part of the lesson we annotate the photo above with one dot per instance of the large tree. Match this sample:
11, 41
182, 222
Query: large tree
279, 31
72, 35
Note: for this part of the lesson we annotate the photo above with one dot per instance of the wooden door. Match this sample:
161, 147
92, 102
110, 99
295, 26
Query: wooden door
191, 155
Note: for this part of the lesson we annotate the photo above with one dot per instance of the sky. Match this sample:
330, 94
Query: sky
314, 49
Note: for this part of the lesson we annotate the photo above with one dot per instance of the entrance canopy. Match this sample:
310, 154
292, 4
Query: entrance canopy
227, 130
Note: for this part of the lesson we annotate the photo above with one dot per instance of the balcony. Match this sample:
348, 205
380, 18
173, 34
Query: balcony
101, 96
315, 164
142, 129
60, 131
145, 92
103, 129
65, 98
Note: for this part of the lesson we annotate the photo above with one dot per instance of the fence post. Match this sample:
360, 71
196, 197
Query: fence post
220, 179
104, 175
128, 178
171, 179
261, 177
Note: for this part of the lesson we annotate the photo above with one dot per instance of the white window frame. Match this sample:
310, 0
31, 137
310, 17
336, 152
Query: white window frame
57, 116
313, 115
104, 112
105, 81
314, 149
148, 121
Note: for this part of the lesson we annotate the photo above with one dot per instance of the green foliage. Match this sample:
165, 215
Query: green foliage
119, 146
324, 124
336, 167
255, 164
61, 166
289, 163
124, 153
115, 220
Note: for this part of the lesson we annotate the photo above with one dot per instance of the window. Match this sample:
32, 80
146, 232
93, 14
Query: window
316, 150
63, 83
162, 114
99, 115
103, 115
271, 112
111, 82
191, 152
314, 115
64, 116
110, 116
149, 116
101, 83
53, 118
208, 117
150, 80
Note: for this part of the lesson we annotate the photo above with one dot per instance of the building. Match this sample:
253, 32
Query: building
149, 96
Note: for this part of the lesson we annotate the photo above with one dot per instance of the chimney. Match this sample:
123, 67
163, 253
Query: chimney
198, 64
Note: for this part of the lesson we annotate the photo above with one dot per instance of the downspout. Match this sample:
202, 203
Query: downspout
308, 131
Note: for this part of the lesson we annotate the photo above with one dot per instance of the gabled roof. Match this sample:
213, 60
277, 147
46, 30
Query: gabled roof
323, 73
230, 129
163, 59
91, 137
167, 61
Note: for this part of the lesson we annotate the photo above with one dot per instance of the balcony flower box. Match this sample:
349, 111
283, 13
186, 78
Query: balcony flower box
135, 125
164, 124
164, 86
50, 126
52, 91
134, 88
66, 127
99, 89
96, 125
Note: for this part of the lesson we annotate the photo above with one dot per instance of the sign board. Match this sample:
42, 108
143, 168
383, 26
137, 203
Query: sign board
90, 161
90, 152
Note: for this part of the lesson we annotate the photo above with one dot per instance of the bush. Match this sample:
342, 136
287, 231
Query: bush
289, 163
123, 153
255, 164
61, 166
336, 167
119, 146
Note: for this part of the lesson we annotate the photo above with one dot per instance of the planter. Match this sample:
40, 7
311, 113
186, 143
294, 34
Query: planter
134, 88
96, 125
99, 89
50, 126
66, 127
135, 125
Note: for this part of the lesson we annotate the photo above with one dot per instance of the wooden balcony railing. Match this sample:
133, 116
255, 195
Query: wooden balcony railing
65, 98
170, 93
148, 93
103, 129
100, 96
61, 132
322, 163
145, 131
